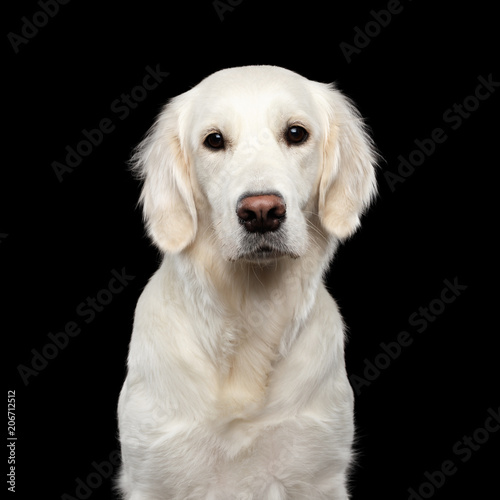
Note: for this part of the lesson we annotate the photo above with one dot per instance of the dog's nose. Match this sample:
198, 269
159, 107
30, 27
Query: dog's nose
261, 213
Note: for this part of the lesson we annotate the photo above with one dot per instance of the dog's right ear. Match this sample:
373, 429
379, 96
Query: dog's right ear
348, 182
162, 163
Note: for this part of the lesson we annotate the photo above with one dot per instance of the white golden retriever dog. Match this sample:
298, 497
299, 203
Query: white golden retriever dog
236, 385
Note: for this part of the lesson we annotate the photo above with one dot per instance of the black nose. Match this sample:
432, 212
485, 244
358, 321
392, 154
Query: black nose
261, 213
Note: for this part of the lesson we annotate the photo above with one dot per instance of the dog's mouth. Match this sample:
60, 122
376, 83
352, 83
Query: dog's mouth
264, 252
261, 256
267, 252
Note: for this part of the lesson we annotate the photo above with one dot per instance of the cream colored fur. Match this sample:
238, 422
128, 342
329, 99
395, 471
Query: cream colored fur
236, 385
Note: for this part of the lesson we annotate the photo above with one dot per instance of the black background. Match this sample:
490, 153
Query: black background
61, 240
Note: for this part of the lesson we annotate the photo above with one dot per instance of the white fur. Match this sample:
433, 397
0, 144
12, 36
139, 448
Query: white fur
236, 385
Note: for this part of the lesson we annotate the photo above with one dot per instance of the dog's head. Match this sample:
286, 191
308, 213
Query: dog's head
253, 158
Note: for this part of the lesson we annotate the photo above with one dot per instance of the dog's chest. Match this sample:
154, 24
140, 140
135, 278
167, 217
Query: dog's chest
244, 365
246, 329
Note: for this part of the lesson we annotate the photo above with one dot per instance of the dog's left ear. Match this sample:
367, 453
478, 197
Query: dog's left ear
347, 183
161, 162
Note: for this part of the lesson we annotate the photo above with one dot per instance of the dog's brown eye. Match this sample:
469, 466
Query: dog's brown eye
214, 141
296, 135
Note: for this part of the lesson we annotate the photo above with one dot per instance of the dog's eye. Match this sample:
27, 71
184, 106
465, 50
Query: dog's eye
214, 141
296, 135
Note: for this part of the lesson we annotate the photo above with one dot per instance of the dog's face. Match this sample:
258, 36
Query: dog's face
256, 153
252, 155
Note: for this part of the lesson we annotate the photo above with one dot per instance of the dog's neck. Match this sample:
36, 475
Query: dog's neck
268, 303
